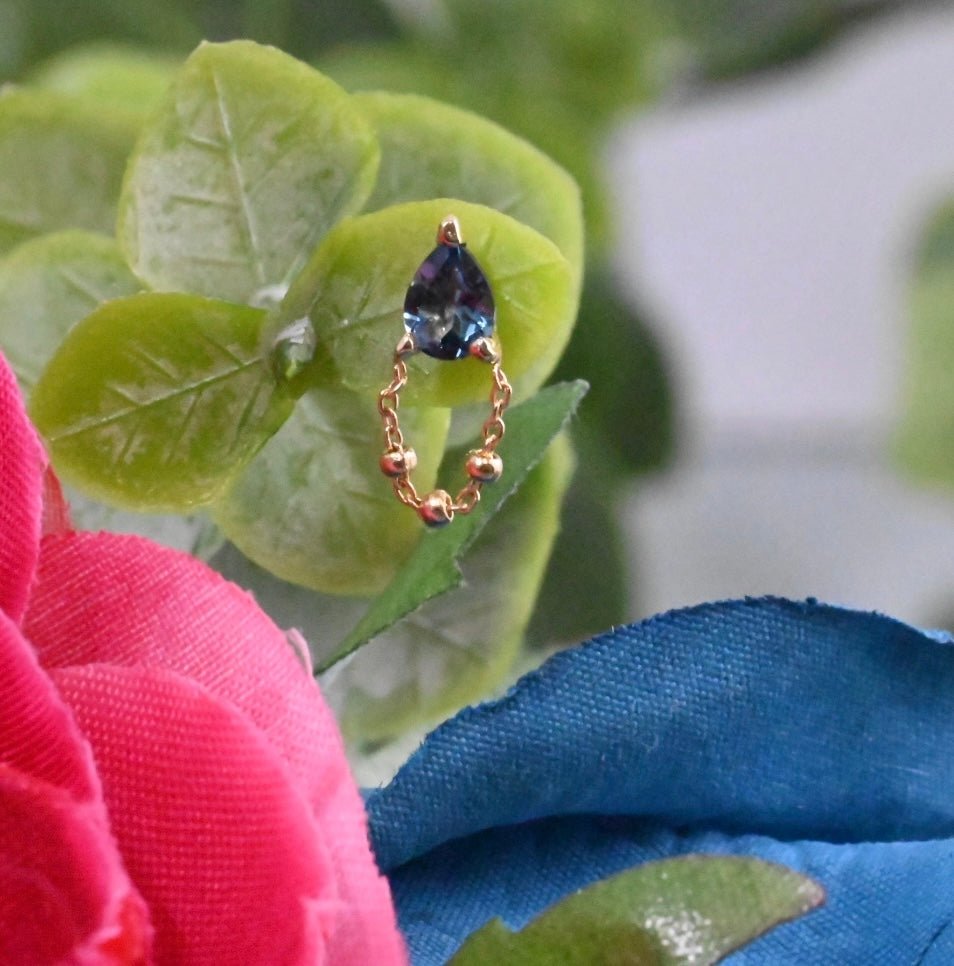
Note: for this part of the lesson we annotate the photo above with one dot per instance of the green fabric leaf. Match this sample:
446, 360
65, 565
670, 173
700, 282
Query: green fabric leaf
457, 647
314, 508
252, 158
46, 286
691, 910
432, 568
925, 438
354, 288
430, 149
61, 165
155, 401
108, 76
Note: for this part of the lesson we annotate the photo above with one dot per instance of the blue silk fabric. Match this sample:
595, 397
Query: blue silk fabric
806, 734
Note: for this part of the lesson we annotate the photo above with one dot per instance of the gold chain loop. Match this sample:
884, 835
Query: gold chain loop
483, 464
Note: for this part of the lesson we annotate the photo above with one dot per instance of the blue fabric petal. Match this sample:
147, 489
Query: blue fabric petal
807, 734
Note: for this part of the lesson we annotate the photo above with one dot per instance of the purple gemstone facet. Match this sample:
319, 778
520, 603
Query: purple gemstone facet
449, 304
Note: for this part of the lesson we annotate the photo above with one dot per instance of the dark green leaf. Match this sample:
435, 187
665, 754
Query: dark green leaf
432, 569
691, 910
155, 401
459, 646
253, 157
587, 585
628, 419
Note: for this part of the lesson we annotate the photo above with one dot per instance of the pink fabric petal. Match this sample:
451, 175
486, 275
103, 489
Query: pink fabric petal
38, 734
214, 834
56, 510
64, 896
22, 461
122, 600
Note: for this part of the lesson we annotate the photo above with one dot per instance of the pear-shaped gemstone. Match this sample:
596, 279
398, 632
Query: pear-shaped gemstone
449, 304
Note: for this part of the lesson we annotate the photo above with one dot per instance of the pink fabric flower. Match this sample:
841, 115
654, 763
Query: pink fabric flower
173, 788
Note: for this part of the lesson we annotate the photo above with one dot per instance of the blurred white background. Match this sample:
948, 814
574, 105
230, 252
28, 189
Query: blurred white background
772, 231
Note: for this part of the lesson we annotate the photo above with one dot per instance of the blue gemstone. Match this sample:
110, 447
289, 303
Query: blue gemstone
449, 304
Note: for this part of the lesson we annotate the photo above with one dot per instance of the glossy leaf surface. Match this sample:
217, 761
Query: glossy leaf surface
692, 910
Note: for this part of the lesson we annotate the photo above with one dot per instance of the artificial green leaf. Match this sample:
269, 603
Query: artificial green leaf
156, 400
629, 420
692, 910
61, 164
46, 286
457, 647
108, 76
925, 439
252, 158
432, 568
354, 289
430, 149
314, 508
587, 584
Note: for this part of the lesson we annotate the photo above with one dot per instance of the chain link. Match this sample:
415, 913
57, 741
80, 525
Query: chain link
483, 464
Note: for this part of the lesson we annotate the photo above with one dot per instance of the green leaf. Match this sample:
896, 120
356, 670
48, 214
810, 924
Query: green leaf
693, 910
432, 568
46, 286
61, 164
250, 161
155, 401
430, 149
313, 507
108, 76
354, 288
925, 438
587, 584
629, 422
457, 647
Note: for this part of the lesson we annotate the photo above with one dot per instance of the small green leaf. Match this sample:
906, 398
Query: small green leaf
432, 568
925, 440
155, 401
692, 910
430, 149
253, 157
457, 647
46, 286
354, 288
313, 507
108, 76
61, 164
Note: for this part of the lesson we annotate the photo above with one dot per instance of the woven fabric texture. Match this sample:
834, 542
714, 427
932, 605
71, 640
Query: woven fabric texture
175, 754
806, 734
